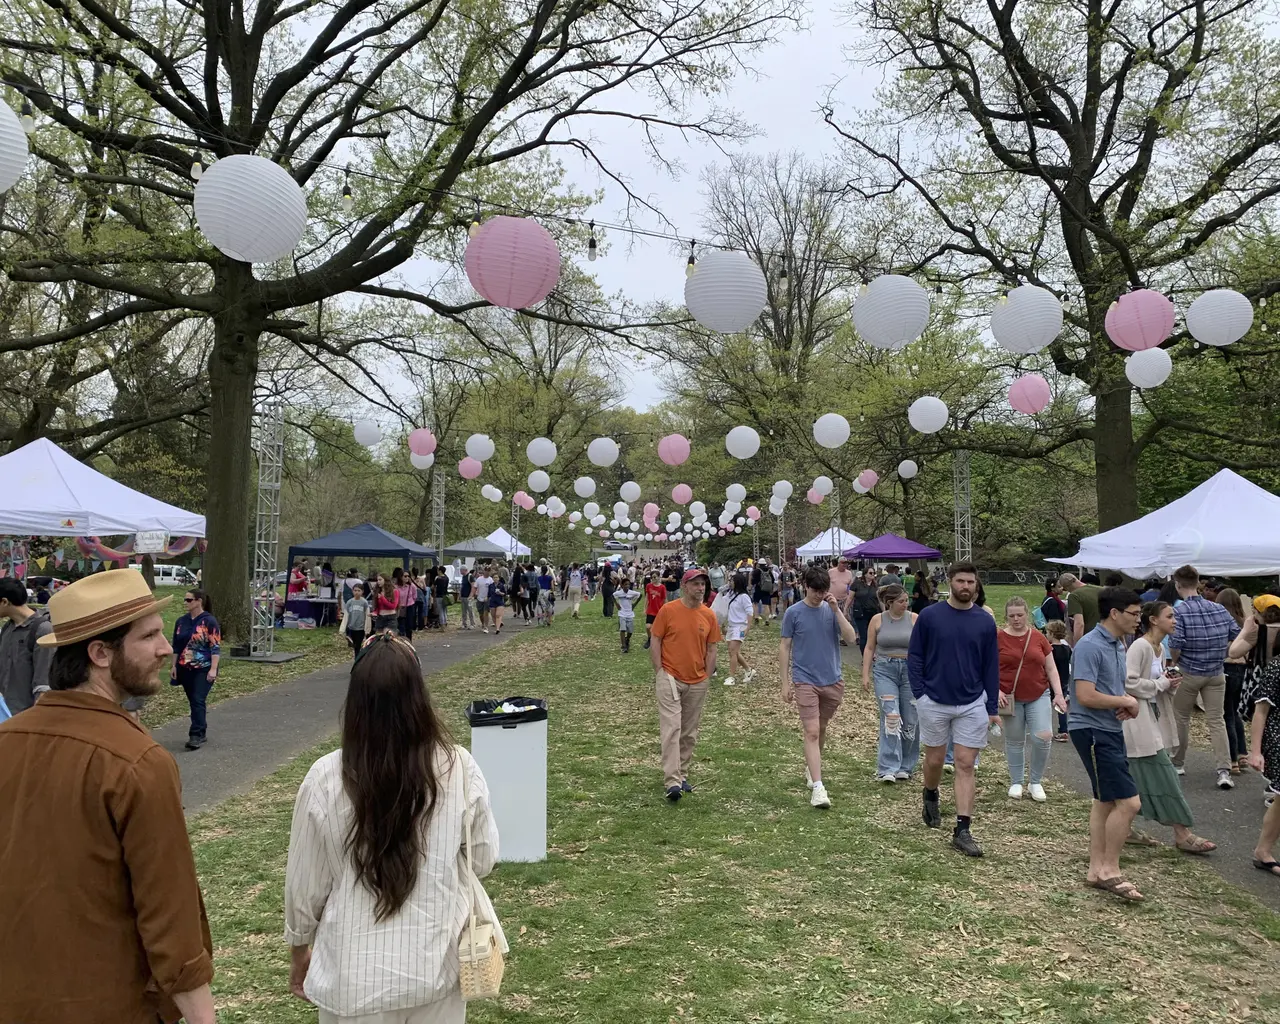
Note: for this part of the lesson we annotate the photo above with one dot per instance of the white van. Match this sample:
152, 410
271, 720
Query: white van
170, 575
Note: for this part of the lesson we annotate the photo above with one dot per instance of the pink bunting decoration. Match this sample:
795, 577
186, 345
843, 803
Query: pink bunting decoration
673, 449
470, 468
513, 262
1030, 394
422, 442
1140, 320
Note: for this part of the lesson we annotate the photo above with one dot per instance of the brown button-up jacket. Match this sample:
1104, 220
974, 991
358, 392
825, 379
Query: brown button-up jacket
101, 915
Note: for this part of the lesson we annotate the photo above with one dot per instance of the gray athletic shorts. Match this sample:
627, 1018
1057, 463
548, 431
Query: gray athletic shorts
941, 724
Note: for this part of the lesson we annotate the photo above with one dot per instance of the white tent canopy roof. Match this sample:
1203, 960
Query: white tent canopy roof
1225, 527
47, 493
509, 544
829, 542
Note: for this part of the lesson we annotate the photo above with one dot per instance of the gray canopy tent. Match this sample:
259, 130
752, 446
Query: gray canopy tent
475, 547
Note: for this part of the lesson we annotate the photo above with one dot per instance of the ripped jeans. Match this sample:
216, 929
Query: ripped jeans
899, 724
1033, 717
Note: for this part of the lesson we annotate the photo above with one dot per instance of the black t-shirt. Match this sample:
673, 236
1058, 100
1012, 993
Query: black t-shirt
866, 599
671, 581
440, 586
1052, 610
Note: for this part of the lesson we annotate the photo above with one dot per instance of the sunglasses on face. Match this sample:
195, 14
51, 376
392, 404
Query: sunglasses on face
188, 600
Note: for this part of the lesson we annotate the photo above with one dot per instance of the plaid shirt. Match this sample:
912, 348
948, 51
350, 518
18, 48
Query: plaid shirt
1205, 630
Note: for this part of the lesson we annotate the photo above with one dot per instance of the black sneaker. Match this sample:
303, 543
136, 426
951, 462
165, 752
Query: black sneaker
195, 743
673, 794
964, 842
685, 787
932, 814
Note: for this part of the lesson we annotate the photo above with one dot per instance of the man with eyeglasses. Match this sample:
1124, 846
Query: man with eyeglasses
1099, 704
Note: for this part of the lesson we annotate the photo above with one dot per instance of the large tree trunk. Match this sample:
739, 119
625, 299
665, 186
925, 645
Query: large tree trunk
233, 367
1113, 446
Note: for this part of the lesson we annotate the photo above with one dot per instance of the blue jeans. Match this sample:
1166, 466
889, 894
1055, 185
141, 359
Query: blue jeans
195, 684
1034, 717
899, 725
862, 623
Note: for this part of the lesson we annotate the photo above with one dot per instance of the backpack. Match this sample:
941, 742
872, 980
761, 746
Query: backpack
766, 581
1037, 618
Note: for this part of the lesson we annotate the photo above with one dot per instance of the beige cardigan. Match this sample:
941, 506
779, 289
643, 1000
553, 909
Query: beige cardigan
1147, 735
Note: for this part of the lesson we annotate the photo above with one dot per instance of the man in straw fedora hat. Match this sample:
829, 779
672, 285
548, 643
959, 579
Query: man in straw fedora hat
103, 917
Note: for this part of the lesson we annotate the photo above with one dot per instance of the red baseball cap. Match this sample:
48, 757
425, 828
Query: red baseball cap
693, 574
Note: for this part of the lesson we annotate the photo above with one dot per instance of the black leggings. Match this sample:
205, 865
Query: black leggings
1231, 711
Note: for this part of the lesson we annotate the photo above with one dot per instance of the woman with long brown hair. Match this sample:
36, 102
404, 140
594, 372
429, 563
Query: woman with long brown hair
376, 893
1234, 669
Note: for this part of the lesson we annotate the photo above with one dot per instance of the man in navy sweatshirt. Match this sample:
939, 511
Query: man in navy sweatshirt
953, 662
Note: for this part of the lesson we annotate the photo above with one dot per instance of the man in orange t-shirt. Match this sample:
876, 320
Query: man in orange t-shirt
683, 649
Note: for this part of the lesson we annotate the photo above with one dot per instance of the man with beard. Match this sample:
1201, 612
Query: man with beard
101, 907
953, 662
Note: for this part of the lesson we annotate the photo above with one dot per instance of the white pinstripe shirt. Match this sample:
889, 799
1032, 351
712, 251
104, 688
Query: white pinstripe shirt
359, 965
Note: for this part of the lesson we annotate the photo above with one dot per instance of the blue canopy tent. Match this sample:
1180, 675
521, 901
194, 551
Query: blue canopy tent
365, 540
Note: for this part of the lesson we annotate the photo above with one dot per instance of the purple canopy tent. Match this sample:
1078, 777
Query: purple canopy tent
890, 545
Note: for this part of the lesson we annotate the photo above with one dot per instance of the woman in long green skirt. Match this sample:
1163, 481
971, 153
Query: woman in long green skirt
1148, 736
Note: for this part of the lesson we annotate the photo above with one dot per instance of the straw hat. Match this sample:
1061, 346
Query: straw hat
98, 603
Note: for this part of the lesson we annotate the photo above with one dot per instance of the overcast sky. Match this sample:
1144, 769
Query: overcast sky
794, 77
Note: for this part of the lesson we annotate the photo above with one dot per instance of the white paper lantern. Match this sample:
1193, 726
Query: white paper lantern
584, 487
614, 524
486, 489
495, 495
892, 312
14, 150
250, 208
783, 489
741, 520
597, 520
928, 414
698, 508
574, 516
1219, 317
630, 491
555, 504
824, 485
831, 430
734, 506
421, 461
726, 291
735, 492
737, 529
688, 528
742, 442
1149, 368
480, 447
571, 526
603, 451
1027, 319
648, 536
590, 510
541, 451
542, 510
859, 489
367, 433
907, 469
539, 481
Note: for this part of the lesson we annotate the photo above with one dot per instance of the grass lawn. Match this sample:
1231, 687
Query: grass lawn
319, 648
743, 904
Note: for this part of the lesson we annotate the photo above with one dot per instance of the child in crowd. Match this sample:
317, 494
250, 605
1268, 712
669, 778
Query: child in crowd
357, 613
622, 597
655, 597
1056, 631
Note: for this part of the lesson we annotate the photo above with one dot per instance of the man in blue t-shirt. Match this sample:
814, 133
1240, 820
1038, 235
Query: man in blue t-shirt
810, 668
953, 662
1099, 704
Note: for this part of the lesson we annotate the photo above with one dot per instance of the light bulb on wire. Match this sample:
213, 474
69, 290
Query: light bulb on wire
197, 167
691, 263
348, 199
475, 221
27, 118
784, 283
592, 251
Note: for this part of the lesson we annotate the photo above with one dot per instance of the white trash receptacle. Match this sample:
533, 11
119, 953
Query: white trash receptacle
511, 751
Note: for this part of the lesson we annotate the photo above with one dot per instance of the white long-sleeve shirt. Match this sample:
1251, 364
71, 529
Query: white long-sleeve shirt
360, 965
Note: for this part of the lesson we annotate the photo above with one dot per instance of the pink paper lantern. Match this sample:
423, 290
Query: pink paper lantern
1140, 320
719, 533
661, 536
814, 497
753, 513
513, 262
868, 478
1030, 394
422, 442
529, 502
682, 494
470, 468
673, 449
518, 498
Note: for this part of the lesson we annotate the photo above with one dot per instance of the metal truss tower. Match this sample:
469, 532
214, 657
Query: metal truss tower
269, 428
964, 522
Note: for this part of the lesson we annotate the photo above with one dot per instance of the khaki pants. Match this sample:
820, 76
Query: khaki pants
1214, 691
575, 598
679, 715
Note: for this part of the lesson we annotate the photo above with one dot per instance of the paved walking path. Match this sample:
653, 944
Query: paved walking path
1230, 818
251, 736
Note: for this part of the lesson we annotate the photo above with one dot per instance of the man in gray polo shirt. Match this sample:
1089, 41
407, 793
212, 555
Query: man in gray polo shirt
1099, 704
24, 666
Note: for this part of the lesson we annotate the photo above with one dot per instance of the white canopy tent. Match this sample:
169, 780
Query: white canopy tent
1225, 527
828, 543
509, 544
47, 493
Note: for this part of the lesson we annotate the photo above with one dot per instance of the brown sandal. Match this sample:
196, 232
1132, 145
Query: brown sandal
1136, 838
1196, 844
1119, 886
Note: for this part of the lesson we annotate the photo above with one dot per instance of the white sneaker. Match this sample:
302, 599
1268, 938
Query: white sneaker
749, 675
888, 777
808, 777
1037, 792
902, 776
1179, 769
730, 680
1015, 792
948, 768
486, 629
1224, 779
819, 797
